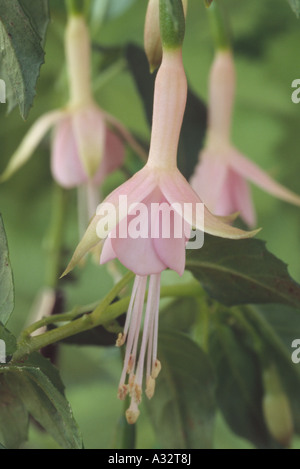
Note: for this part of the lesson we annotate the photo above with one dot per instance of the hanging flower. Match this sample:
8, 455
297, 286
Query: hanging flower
159, 184
221, 176
84, 148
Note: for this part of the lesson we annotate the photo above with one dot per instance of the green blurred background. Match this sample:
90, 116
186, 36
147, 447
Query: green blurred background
266, 38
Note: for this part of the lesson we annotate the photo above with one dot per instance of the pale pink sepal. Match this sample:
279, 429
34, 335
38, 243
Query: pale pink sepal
241, 197
116, 212
87, 243
176, 189
208, 180
31, 141
107, 252
253, 173
222, 189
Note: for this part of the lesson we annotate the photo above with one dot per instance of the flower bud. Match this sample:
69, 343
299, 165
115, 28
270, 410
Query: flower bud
152, 38
276, 408
172, 23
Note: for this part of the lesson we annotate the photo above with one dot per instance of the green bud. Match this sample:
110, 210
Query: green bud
276, 407
172, 23
152, 41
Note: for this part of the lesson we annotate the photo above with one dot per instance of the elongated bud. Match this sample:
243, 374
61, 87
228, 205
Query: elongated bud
77, 45
172, 23
276, 408
152, 38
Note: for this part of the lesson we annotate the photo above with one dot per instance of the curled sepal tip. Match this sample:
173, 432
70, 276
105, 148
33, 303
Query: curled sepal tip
89, 241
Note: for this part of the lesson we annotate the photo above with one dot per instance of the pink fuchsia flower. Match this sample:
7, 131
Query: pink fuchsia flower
158, 183
84, 148
222, 174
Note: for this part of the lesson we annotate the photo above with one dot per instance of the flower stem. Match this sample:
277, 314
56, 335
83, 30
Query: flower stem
104, 313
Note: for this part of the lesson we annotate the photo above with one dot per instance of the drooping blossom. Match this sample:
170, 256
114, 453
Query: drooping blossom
139, 201
87, 142
222, 174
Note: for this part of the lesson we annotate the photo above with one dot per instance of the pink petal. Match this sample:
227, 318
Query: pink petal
251, 171
225, 204
242, 199
66, 166
209, 178
89, 130
113, 156
137, 254
107, 253
171, 250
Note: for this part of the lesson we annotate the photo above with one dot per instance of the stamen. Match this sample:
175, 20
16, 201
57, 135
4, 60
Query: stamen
155, 329
135, 314
120, 340
122, 391
133, 412
130, 364
148, 347
156, 369
150, 387
146, 332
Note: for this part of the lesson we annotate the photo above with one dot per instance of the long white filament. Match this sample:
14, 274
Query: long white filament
135, 359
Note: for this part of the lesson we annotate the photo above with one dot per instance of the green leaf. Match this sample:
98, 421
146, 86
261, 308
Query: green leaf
239, 387
195, 116
284, 320
179, 314
183, 407
6, 279
22, 32
208, 2
242, 272
9, 340
295, 5
37, 384
13, 415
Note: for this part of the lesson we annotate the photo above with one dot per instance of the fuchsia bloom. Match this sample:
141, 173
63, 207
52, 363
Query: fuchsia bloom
221, 175
159, 182
84, 149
